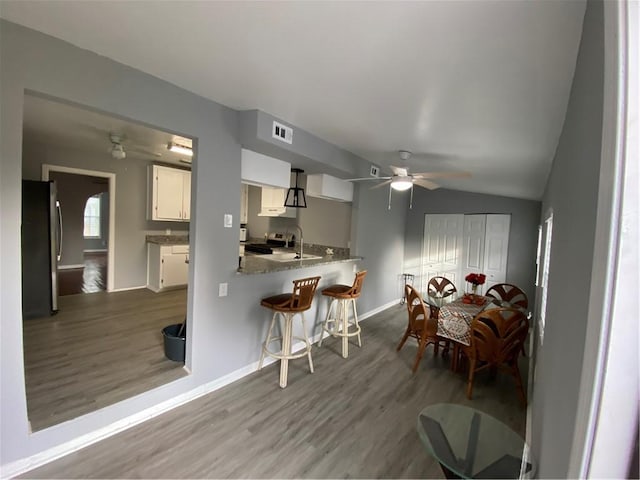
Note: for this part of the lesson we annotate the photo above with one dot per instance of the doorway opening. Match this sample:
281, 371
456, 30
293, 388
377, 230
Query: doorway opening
87, 260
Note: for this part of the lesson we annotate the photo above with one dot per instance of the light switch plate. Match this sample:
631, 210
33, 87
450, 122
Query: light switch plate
228, 220
223, 289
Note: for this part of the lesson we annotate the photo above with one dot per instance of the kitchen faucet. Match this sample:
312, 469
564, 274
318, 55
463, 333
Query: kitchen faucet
301, 240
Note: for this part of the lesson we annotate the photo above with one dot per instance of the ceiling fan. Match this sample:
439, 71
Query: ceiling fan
117, 150
117, 147
402, 180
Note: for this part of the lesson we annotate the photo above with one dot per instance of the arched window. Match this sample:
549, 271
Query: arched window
92, 217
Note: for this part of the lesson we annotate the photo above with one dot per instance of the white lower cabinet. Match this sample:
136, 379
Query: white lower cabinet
167, 266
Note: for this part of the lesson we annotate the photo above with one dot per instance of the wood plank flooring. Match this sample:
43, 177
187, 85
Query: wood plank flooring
89, 279
99, 349
352, 418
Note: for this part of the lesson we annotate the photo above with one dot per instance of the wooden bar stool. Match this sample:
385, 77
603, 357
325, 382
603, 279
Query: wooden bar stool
287, 305
338, 324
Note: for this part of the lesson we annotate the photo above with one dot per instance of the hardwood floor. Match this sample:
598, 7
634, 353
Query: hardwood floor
89, 279
98, 350
352, 418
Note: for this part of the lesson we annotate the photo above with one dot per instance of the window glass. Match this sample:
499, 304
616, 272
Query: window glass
92, 217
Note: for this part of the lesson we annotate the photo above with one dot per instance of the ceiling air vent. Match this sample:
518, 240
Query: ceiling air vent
282, 133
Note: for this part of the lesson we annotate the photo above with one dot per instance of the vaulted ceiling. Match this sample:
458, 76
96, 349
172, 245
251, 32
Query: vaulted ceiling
480, 86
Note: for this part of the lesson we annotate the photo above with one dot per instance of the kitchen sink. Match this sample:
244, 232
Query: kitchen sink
289, 257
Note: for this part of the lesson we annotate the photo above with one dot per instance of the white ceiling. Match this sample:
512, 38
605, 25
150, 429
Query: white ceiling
54, 123
481, 85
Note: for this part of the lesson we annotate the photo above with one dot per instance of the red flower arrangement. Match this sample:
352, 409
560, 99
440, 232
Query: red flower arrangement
476, 278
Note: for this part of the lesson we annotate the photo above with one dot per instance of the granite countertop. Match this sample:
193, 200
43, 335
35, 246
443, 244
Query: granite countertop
255, 264
168, 239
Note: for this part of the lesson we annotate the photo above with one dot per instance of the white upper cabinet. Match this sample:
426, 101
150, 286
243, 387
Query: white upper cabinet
244, 203
328, 187
170, 194
263, 171
272, 203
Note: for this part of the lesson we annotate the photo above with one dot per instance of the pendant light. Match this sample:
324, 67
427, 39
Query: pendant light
295, 195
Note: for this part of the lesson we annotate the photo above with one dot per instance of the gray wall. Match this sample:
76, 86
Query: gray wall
523, 235
572, 194
225, 333
326, 222
73, 193
131, 225
378, 236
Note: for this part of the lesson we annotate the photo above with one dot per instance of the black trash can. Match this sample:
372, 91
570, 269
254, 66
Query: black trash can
174, 342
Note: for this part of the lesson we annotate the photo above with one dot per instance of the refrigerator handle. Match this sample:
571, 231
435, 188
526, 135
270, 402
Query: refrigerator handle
59, 229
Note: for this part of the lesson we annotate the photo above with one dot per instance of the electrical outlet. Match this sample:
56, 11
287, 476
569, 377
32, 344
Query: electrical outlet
223, 289
228, 220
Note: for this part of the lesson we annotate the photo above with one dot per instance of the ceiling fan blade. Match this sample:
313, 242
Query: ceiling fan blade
401, 171
381, 184
366, 178
441, 175
425, 184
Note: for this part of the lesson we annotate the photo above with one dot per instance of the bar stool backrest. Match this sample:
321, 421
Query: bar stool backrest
355, 290
303, 292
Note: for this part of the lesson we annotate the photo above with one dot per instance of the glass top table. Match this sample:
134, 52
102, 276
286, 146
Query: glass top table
438, 300
469, 443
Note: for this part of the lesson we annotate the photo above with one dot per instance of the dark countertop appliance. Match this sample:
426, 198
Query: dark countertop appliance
274, 240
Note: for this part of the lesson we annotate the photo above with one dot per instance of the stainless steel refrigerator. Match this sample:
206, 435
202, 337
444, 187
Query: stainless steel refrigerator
41, 241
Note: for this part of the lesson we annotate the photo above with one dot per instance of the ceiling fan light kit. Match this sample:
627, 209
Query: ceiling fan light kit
401, 183
117, 152
176, 148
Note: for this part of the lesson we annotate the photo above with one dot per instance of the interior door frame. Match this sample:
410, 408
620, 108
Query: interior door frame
111, 178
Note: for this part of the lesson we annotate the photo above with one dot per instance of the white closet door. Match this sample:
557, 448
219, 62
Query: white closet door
442, 248
496, 249
473, 239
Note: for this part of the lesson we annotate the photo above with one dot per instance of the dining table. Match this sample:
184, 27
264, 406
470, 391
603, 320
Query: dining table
455, 315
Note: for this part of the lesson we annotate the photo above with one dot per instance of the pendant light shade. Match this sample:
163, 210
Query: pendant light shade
295, 195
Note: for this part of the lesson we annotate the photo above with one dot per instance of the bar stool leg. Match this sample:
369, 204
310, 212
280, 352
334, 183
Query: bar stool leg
267, 341
307, 341
286, 349
326, 321
344, 316
355, 319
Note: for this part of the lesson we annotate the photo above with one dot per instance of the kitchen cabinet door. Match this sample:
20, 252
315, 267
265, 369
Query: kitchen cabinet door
170, 194
167, 266
175, 270
244, 203
272, 204
186, 195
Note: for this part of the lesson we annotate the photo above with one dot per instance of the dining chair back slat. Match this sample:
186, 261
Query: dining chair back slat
497, 337
509, 293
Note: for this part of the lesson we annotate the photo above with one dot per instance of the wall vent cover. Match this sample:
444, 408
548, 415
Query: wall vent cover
375, 171
282, 132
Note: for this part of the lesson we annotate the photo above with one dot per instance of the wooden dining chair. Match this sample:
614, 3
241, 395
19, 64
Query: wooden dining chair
497, 336
421, 325
508, 293
440, 287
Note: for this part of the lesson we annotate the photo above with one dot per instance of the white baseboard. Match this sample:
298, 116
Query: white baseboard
127, 289
71, 267
381, 308
24, 465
